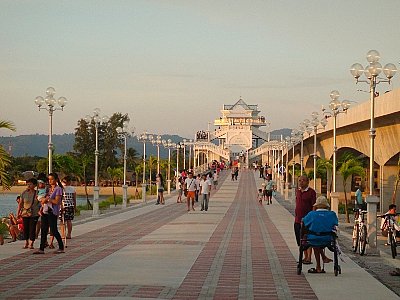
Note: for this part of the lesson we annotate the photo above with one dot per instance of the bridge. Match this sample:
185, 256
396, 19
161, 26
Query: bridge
239, 132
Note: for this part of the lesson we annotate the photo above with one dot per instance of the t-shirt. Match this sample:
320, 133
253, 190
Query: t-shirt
58, 191
215, 177
320, 220
68, 199
205, 186
269, 185
304, 203
359, 198
29, 201
190, 184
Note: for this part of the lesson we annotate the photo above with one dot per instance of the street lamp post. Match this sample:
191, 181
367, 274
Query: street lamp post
50, 103
144, 137
184, 154
336, 108
123, 133
314, 125
157, 142
169, 145
371, 72
97, 120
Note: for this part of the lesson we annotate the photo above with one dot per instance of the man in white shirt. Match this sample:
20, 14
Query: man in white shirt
190, 186
205, 190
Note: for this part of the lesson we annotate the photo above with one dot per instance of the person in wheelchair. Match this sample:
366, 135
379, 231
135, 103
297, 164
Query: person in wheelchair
318, 227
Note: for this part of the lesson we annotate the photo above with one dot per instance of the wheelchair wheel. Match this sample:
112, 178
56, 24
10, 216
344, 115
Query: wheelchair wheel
362, 240
392, 244
336, 267
356, 236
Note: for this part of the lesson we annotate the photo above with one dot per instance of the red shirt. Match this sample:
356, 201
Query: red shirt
304, 203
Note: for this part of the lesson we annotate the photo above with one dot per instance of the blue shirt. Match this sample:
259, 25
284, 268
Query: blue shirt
359, 198
320, 220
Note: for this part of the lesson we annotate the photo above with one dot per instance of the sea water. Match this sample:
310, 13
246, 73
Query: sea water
9, 204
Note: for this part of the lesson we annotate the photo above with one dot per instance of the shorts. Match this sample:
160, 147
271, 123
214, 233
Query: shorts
160, 190
191, 194
269, 193
69, 213
215, 182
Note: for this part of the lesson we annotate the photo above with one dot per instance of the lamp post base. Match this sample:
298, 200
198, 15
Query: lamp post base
144, 192
124, 195
96, 209
372, 202
169, 186
335, 203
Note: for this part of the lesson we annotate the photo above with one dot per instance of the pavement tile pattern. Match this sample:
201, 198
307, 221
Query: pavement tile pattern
245, 258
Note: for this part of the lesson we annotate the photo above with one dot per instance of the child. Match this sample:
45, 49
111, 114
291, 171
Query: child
41, 193
260, 196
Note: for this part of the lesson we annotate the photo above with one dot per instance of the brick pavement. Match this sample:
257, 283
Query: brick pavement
244, 255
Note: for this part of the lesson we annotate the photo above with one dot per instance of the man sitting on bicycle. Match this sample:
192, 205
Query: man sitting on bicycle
321, 220
393, 221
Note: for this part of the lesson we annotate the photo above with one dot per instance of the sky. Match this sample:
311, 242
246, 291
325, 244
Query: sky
171, 65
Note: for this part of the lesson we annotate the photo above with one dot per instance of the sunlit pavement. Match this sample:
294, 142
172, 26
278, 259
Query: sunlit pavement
237, 249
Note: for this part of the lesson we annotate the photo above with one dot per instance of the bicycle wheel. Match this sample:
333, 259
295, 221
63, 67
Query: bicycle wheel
355, 238
392, 244
362, 240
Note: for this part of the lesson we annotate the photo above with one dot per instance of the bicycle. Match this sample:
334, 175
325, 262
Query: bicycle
360, 238
391, 231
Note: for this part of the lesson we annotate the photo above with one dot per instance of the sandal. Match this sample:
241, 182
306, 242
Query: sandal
59, 251
38, 252
306, 262
315, 271
396, 272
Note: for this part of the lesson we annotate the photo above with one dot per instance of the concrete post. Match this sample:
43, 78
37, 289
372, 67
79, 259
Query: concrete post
169, 186
124, 195
96, 210
372, 202
335, 203
144, 192
286, 191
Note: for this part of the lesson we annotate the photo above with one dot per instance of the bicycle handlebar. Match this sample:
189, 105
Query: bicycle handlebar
388, 215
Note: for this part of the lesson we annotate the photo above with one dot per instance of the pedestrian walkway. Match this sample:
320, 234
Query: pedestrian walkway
238, 249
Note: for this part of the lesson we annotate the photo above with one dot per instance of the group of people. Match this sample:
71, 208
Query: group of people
194, 187
267, 190
45, 201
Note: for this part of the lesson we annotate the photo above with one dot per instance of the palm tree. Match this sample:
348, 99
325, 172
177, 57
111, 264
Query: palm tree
5, 159
138, 172
114, 174
349, 165
164, 167
85, 161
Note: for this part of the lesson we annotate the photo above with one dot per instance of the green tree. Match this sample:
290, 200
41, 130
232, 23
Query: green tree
66, 164
349, 165
42, 165
5, 159
114, 175
152, 164
132, 158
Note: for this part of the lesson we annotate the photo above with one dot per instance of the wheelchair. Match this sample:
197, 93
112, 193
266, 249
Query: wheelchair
331, 245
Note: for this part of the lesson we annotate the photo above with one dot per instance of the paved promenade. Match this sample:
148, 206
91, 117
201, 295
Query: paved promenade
238, 249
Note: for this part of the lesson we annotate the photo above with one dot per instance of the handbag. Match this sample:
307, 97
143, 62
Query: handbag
27, 212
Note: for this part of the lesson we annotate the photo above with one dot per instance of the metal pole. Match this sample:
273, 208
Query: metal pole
177, 162
372, 134
315, 158
144, 162
96, 189
50, 145
184, 158
190, 156
334, 153
158, 158
124, 187
293, 168
301, 155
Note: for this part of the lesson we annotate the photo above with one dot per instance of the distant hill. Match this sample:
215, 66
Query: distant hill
36, 144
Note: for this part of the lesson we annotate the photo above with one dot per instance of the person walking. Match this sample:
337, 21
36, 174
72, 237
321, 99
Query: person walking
205, 190
305, 199
28, 210
68, 207
197, 192
49, 218
160, 189
190, 187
